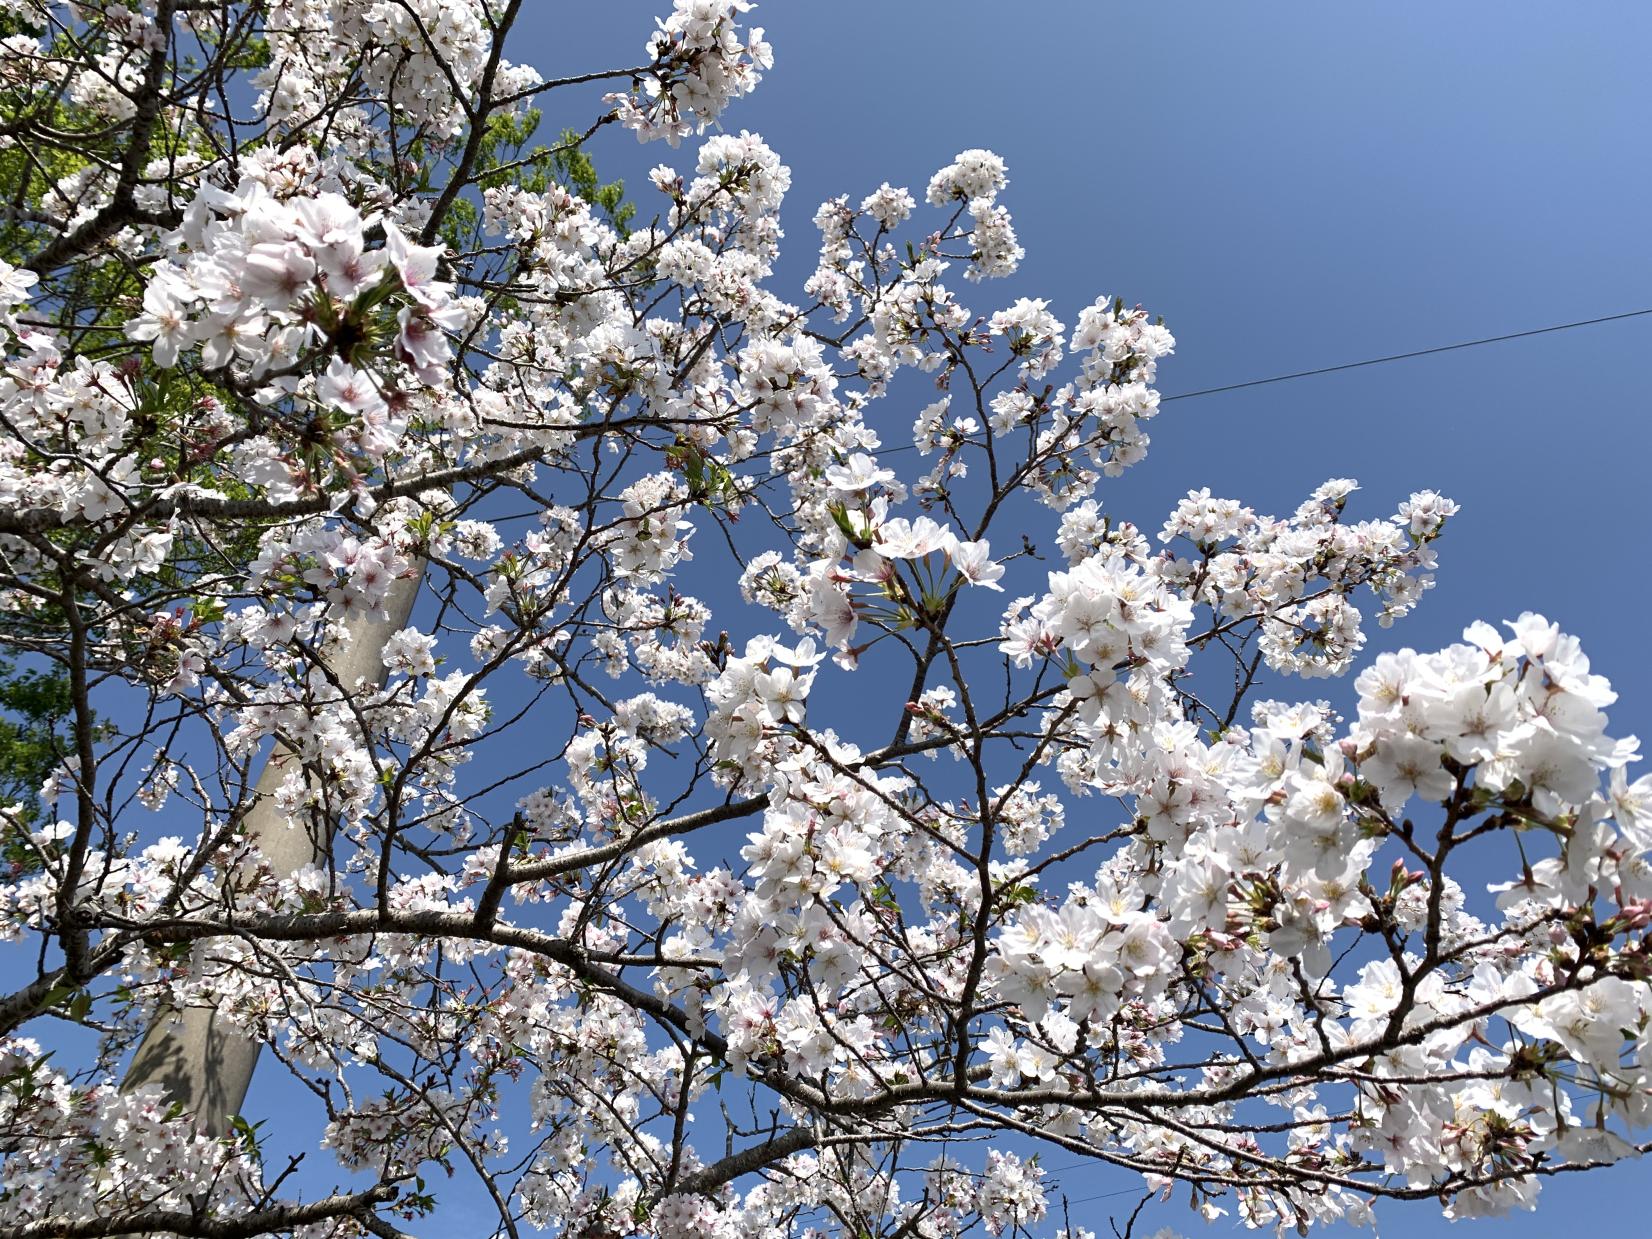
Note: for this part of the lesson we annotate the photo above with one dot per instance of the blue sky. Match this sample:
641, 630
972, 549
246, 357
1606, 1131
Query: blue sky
1291, 185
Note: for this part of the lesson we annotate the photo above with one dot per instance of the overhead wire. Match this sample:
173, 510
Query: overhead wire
1123, 1191
1082, 1200
1421, 352
1376, 361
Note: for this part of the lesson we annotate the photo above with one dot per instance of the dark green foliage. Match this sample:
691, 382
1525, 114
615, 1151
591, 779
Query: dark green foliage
34, 734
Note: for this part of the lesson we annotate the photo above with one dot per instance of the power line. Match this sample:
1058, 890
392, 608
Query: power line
1123, 1191
1087, 1164
1422, 352
1370, 361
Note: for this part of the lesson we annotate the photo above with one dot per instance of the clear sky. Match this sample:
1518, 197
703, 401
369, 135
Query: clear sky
1292, 185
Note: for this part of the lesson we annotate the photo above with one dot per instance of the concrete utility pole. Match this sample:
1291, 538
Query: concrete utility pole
202, 1062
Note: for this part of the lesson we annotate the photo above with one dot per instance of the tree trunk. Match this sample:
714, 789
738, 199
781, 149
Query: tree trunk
203, 1063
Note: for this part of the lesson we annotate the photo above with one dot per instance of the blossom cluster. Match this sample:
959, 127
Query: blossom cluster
700, 60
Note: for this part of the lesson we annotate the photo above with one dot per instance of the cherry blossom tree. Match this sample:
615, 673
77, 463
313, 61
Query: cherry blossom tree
696, 757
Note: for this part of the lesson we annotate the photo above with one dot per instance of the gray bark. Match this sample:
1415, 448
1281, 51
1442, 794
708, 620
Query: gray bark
203, 1063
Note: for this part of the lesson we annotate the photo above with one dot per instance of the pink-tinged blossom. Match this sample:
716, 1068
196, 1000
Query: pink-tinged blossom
417, 265
975, 564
